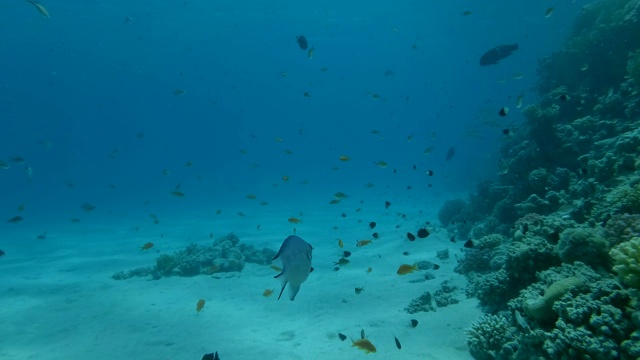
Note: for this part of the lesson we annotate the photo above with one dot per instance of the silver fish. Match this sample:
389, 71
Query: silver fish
295, 255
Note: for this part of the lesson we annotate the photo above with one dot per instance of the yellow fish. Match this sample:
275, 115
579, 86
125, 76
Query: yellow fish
362, 243
310, 53
340, 243
405, 269
294, 220
199, 306
41, 9
344, 158
381, 164
364, 345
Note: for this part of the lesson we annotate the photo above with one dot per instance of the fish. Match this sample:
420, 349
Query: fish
340, 243
276, 268
364, 345
411, 237
414, 322
302, 42
212, 356
468, 243
2, 252
284, 73
294, 220
285, 178
306, 94
375, 235
369, 269
146, 246
450, 153
549, 11
310, 53
362, 335
494, 55
504, 111
346, 254
387, 204
517, 76
405, 269
423, 233
15, 219
519, 101
295, 254
344, 158
380, 164
372, 224
179, 92
342, 261
87, 207
397, 343
41, 9
429, 172
340, 195
342, 336
199, 306
267, 292
251, 196
177, 193
4, 165
428, 150
334, 201
506, 131
466, 13
361, 243
359, 290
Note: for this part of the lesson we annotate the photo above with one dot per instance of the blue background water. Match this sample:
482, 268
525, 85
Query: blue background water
98, 79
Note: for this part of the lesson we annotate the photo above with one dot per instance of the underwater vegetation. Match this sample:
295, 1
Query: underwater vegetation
556, 261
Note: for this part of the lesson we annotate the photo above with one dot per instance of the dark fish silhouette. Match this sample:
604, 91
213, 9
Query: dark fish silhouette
450, 153
302, 42
212, 356
496, 54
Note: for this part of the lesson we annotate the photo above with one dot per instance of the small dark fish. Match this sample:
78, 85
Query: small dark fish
2, 252
87, 207
436, 266
375, 235
503, 111
372, 224
406, 253
525, 229
429, 172
453, 239
584, 171
212, 356
342, 336
397, 343
468, 243
359, 290
302, 42
450, 153
361, 333
492, 56
414, 322
344, 215
387, 204
410, 236
42, 236
346, 254
423, 233
414, 167
563, 97
506, 131
15, 219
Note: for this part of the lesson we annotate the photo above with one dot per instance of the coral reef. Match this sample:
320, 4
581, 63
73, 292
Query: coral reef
488, 335
423, 303
225, 255
585, 245
626, 260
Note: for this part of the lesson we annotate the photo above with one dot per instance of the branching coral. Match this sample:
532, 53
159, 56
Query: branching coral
488, 335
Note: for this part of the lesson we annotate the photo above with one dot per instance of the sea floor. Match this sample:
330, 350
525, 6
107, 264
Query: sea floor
58, 300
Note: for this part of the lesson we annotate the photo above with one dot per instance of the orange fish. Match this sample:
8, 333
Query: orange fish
362, 243
364, 345
199, 306
405, 269
146, 246
267, 292
294, 220
344, 158
340, 243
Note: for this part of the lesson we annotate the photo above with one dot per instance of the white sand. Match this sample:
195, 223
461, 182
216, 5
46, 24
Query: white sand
59, 302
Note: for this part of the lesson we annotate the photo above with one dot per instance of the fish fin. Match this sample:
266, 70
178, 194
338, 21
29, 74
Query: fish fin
311, 270
284, 284
293, 291
216, 357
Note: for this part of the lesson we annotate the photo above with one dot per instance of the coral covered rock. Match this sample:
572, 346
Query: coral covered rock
585, 245
626, 262
541, 308
488, 335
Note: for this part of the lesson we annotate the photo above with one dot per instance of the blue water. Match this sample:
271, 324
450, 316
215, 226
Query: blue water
87, 98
